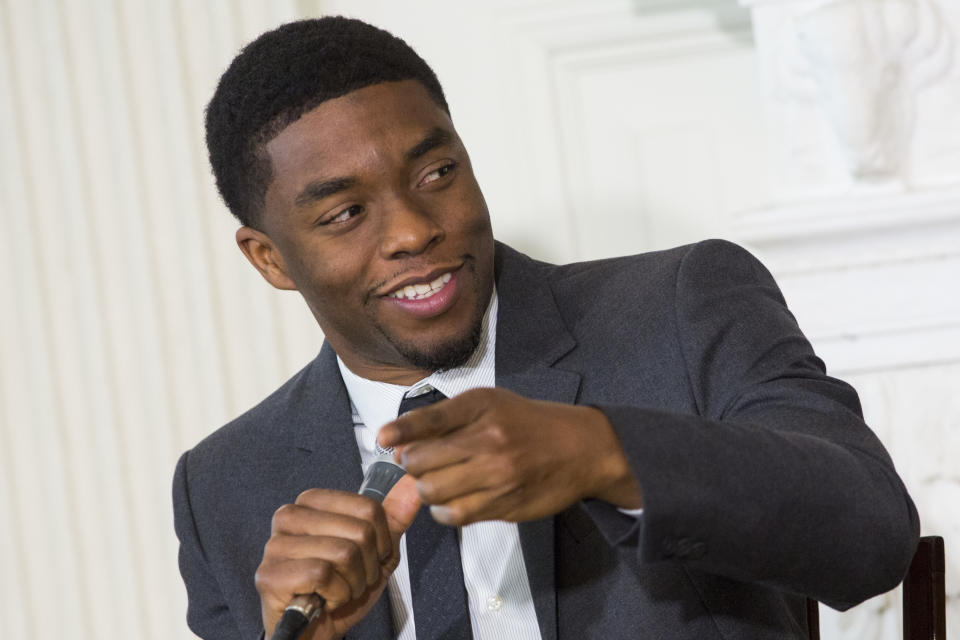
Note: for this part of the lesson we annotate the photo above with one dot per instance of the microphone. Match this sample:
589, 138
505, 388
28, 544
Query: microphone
377, 482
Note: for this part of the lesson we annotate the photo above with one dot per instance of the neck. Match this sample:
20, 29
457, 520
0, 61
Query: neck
391, 374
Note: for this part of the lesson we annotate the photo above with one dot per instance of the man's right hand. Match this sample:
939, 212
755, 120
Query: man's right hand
342, 546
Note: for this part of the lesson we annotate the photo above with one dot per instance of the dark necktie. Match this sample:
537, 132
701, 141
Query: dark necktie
440, 609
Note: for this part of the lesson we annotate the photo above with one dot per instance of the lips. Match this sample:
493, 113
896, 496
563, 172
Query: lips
426, 296
421, 290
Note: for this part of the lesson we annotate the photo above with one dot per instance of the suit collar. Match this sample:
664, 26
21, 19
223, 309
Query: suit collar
530, 328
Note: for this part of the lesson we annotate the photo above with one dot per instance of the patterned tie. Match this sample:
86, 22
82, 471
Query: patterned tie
436, 576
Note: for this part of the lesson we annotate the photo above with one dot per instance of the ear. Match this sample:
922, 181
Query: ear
265, 257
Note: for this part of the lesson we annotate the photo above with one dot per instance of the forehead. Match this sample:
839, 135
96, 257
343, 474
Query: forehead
340, 136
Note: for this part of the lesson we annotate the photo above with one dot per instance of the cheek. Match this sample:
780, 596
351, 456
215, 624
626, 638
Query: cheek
324, 277
335, 283
472, 209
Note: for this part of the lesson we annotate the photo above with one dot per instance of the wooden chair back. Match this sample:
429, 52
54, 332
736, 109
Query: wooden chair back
924, 602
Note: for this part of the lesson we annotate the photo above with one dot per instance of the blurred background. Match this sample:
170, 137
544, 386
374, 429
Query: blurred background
821, 134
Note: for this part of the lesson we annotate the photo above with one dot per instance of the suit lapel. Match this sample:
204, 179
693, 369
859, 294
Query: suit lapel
531, 337
325, 455
321, 431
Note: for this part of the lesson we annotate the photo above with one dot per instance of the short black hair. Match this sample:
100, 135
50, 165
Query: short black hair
282, 75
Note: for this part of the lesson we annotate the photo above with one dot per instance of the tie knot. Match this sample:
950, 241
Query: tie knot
422, 398
409, 403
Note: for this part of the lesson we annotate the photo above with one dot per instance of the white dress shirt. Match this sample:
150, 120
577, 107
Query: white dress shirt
498, 591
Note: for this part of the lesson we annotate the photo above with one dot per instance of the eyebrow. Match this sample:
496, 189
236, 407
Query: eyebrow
437, 137
324, 188
320, 189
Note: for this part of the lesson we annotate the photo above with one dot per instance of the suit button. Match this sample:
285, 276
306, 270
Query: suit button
690, 548
669, 547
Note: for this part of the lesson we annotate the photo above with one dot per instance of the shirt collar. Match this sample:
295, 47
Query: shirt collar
377, 403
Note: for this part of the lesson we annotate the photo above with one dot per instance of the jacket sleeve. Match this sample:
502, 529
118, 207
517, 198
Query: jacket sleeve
208, 615
776, 479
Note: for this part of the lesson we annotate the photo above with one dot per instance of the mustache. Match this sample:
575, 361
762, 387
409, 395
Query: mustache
411, 268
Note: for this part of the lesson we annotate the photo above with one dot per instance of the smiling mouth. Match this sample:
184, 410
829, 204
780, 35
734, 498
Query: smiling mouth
422, 290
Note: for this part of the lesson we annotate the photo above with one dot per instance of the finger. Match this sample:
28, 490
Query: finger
475, 507
435, 420
443, 485
423, 456
346, 504
298, 521
278, 581
401, 506
359, 567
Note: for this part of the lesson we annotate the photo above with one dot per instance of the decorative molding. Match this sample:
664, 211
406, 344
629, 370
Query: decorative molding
579, 46
601, 28
862, 228
868, 276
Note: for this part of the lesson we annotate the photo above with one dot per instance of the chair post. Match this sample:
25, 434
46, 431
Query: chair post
813, 619
924, 606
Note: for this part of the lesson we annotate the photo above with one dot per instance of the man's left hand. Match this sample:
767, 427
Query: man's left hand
490, 454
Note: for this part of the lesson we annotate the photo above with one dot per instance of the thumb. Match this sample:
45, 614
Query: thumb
401, 506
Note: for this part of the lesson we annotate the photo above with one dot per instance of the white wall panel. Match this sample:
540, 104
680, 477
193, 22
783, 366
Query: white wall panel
114, 359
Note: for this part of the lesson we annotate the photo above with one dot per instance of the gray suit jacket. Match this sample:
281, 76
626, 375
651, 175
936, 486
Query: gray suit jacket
761, 483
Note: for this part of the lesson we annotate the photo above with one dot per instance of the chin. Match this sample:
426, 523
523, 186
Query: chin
445, 355
446, 352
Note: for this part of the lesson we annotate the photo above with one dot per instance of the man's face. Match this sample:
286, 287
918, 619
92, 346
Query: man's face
375, 216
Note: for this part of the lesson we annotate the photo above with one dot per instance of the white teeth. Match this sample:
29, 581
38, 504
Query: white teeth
421, 290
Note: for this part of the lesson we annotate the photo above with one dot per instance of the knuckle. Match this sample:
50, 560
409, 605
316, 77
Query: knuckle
272, 548
262, 579
319, 573
367, 535
346, 553
497, 434
426, 490
457, 517
400, 428
367, 509
309, 496
410, 458
283, 516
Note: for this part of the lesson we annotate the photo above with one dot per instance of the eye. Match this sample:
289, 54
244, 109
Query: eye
343, 215
438, 173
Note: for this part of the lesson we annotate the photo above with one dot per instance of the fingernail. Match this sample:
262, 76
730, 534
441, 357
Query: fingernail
440, 514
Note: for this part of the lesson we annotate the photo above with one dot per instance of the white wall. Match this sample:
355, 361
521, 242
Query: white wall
132, 326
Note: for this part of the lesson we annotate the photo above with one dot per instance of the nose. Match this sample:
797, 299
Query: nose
407, 229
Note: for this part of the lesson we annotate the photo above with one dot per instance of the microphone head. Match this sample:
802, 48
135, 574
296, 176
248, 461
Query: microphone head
380, 477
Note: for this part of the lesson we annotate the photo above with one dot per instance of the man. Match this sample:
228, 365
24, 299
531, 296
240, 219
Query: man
678, 462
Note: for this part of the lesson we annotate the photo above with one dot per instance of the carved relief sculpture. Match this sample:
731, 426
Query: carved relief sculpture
856, 66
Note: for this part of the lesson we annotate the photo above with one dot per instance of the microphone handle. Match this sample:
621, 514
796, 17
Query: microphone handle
303, 608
